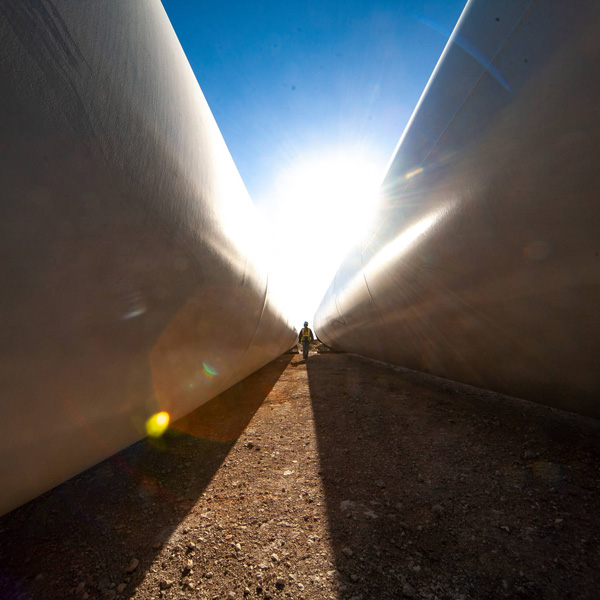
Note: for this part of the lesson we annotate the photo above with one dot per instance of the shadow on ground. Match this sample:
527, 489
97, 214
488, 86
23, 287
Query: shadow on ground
102, 529
439, 490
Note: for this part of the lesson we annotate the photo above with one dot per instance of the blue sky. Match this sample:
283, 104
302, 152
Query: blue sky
287, 81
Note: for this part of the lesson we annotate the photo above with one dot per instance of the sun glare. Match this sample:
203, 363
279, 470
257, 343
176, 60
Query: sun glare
323, 206
339, 190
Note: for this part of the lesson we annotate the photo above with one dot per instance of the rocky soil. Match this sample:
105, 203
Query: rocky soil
336, 478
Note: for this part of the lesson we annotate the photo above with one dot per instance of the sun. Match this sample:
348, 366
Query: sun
322, 206
340, 191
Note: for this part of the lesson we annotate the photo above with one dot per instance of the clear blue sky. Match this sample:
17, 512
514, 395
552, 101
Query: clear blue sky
287, 80
285, 76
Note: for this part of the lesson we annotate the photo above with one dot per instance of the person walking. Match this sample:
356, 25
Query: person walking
306, 337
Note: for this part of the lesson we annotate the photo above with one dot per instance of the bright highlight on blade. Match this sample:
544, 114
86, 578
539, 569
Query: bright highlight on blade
157, 424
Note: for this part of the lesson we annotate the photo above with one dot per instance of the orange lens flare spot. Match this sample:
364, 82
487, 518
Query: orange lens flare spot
413, 173
157, 424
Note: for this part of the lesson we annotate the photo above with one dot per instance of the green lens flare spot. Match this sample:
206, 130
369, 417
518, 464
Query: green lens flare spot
210, 370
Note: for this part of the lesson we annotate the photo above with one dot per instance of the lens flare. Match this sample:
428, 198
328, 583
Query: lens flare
414, 172
478, 55
157, 424
210, 370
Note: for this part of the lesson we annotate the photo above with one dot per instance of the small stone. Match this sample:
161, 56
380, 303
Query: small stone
280, 582
209, 575
300, 586
438, 509
133, 565
103, 582
380, 484
247, 591
231, 595
165, 584
408, 591
121, 587
347, 551
238, 547
80, 587
274, 558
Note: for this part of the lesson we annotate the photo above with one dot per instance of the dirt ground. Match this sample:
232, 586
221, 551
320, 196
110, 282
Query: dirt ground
336, 478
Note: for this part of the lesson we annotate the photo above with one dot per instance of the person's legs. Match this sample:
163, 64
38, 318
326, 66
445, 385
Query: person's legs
305, 349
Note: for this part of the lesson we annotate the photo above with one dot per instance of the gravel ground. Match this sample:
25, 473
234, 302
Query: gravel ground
336, 478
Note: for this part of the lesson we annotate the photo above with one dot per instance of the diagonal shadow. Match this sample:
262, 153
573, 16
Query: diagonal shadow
87, 531
436, 489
